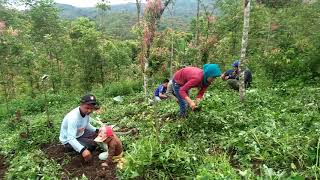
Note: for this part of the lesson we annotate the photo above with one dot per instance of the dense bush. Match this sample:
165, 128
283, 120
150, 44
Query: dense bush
29, 105
122, 88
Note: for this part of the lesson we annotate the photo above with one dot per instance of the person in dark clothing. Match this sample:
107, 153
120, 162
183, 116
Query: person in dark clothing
232, 76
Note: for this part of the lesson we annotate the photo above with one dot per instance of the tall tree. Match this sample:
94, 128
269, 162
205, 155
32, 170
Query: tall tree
197, 22
152, 14
244, 45
138, 4
172, 34
102, 7
46, 32
10, 49
85, 41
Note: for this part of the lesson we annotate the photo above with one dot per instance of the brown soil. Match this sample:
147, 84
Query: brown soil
73, 164
24, 135
232, 160
3, 167
256, 166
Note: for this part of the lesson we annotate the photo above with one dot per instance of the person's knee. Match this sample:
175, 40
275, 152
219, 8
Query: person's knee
234, 84
68, 148
92, 148
90, 144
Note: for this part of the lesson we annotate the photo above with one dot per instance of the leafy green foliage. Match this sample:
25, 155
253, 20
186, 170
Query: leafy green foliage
33, 166
85, 39
118, 21
273, 135
149, 159
122, 88
216, 167
277, 134
28, 105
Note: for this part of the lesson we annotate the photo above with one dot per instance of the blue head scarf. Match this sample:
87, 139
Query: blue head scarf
210, 70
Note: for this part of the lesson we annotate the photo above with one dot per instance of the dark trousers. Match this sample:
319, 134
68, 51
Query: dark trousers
234, 84
182, 102
87, 140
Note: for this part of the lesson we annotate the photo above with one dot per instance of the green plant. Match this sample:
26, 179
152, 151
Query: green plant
216, 167
33, 165
149, 159
122, 88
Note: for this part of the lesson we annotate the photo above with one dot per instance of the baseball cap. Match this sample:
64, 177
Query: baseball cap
90, 100
104, 133
235, 63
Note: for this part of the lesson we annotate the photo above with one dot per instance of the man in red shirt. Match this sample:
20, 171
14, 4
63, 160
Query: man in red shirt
191, 77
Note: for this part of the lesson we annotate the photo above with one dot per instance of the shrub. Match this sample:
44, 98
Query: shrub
29, 105
122, 88
34, 166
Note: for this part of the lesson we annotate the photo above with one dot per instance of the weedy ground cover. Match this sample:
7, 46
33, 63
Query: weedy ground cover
274, 134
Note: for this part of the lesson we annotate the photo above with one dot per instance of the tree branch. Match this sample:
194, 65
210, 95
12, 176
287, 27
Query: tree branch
166, 3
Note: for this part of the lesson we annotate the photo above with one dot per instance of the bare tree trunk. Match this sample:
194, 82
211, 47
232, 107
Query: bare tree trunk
45, 91
51, 69
171, 53
165, 4
268, 37
101, 71
30, 80
244, 45
6, 94
234, 42
266, 50
145, 77
151, 26
12, 88
5, 84
171, 56
197, 22
138, 4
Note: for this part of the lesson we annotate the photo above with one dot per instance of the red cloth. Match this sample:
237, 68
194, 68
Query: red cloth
188, 78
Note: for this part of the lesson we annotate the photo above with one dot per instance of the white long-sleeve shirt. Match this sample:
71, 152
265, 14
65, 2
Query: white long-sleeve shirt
73, 126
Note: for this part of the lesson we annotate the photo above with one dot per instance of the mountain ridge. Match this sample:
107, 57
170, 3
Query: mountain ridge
119, 20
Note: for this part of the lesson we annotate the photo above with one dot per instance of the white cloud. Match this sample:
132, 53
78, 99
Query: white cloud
92, 3
82, 3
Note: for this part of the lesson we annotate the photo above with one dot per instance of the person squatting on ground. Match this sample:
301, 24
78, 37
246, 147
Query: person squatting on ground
112, 144
191, 77
76, 132
232, 76
160, 92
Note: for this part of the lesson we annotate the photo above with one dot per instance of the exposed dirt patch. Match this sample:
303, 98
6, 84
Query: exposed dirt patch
256, 166
216, 150
234, 162
74, 166
3, 167
232, 159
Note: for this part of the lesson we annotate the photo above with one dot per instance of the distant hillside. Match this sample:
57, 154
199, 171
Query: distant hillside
120, 18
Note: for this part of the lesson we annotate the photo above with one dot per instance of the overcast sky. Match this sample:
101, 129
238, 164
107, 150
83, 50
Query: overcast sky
91, 3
